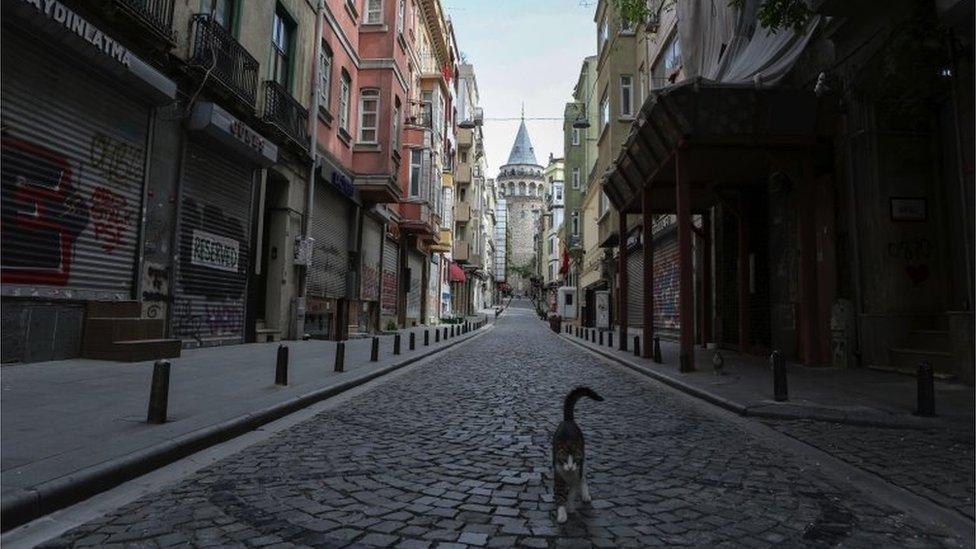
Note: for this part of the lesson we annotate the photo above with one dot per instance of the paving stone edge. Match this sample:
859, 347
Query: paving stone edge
28, 504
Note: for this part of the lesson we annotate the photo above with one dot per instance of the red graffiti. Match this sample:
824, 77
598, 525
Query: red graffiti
389, 304
110, 213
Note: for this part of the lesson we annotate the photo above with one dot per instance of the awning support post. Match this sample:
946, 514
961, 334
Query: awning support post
648, 275
622, 279
686, 297
743, 236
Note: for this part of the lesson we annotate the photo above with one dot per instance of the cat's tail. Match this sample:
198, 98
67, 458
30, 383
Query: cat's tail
570, 403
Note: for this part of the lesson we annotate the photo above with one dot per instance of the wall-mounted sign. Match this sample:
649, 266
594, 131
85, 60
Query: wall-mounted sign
908, 209
338, 178
60, 14
232, 133
216, 252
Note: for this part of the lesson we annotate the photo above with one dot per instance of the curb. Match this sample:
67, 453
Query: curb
801, 412
35, 502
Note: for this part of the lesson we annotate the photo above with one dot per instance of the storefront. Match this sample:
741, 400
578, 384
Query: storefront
390, 284
665, 274
221, 160
332, 276
76, 138
415, 291
370, 266
433, 288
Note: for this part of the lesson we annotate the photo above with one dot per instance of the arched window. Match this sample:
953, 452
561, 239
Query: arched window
521, 188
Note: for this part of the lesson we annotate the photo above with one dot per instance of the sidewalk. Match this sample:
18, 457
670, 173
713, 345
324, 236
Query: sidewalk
854, 396
72, 428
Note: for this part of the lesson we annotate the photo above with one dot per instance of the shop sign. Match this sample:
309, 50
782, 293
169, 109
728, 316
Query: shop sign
216, 252
220, 125
74, 23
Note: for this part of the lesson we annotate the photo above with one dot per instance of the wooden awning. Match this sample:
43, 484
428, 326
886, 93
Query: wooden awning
729, 135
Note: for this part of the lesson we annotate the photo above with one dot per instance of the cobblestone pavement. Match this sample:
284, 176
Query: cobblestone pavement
934, 464
455, 453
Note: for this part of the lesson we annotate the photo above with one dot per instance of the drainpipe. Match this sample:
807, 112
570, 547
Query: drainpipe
313, 138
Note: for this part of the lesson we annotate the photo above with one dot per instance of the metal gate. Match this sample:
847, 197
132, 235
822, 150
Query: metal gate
330, 255
415, 262
371, 260
214, 245
73, 159
391, 280
635, 287
666, 283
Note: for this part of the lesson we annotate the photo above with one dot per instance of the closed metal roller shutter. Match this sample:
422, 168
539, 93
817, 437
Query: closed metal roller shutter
391, 280
415, 262
371, 260
330, 256
666, 282
635, 287
215, 229
73, 158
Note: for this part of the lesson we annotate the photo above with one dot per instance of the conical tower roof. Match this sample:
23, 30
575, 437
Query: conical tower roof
522, 151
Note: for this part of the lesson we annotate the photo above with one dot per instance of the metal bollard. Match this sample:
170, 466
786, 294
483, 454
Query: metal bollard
340, 359
780, 390
452, 330
281, 367
657, 349
601, 337
396, 343
445, 333
926, 390
610, 339
437, 335
426, 338
159, 392
636, 345
374, 350
413, 341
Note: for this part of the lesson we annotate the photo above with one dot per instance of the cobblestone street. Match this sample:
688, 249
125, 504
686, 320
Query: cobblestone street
455, 453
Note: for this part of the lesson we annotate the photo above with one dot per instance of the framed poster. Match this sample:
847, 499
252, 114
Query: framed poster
908, 209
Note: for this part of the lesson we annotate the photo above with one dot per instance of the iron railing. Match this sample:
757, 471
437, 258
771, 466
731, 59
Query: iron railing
156, 14
287, 114
419, 113
215, 50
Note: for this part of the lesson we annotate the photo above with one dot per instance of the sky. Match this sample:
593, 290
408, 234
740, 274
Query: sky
524, 50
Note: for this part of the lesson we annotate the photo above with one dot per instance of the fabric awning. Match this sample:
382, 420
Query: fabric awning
456, 273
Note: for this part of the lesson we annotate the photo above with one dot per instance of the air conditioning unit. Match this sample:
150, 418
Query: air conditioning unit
303, 250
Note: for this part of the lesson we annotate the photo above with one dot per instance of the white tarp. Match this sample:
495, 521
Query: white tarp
725, 44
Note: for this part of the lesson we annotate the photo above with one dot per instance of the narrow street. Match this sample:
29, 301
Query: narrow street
455, 452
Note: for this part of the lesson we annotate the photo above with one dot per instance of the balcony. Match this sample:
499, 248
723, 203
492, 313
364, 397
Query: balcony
463, 176
282, 111
419, 113
214, 49
462, 251
418, 219
462, 212
154, 15
465, 138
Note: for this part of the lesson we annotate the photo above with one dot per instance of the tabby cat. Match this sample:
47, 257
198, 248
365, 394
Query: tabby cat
567, 455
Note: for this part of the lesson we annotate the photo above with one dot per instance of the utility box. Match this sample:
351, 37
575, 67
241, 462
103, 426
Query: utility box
567, 305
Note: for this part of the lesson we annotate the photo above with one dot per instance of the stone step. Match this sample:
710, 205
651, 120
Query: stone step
908, 359
113, 309
139, 350
100, 332
934, 340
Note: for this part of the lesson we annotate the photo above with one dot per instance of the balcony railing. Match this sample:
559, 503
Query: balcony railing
281, 109
419, 113
429, 65
216, 50
156, 14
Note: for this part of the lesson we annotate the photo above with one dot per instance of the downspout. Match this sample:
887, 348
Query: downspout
960, 169
313, 150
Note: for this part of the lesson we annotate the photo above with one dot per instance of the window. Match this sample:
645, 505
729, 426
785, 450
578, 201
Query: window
374, 12
464, 158
223, 13
369, 113
559, 193
325, 75
575, 223
626, 25
668, 65
626, 95
604, 111
282, 34
643, 85
401, 7
344, 101
395, 138
604, 33
576, 178
416, 161
604, 203
576, 136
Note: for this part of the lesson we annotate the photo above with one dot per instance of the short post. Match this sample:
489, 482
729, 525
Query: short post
780, 391
426, 338
437, 335
601, 337
340, 358
396, 343
445, 333
926, 390
159, 392
657, 349
374, 350
610, 339
452, 330
281, 367
413, 341
636, 345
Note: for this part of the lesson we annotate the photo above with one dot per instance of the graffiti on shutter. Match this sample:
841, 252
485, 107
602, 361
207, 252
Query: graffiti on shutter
370, 260
391, 261
635, 287
666, 282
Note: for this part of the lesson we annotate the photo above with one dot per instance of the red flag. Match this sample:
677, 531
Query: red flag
564, 267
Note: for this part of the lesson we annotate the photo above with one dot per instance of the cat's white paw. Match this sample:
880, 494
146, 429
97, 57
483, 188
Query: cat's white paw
585, 493
561, 514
